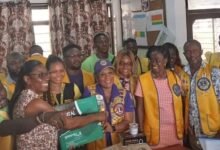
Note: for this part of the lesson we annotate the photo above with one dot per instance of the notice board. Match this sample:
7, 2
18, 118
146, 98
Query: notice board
143, 20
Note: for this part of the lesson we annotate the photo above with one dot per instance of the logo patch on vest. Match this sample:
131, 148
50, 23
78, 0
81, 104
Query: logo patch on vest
119, 109
203, 84
176, 89
103, 62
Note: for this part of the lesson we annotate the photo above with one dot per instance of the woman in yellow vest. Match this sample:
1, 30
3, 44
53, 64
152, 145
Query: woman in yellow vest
118, 104
159, 102
124, 67
174, 61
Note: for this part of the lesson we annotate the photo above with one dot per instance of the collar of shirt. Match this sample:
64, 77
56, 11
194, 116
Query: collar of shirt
187, 67
114, 93
10, 80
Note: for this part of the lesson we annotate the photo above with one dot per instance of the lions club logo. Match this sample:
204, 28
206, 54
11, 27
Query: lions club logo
119, 109
203, 84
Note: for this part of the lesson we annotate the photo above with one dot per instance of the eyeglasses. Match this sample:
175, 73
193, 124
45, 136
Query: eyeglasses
40, 75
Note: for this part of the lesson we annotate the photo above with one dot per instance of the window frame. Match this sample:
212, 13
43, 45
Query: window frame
192, 15
39, 6
38, 23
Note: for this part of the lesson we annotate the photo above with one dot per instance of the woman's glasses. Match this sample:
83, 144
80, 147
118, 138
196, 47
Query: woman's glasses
40, 75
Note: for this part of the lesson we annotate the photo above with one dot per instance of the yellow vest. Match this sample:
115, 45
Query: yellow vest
39, 58
208, 105
101, 144
88, 78
151, 107
214, 60
142, 65
10, 87
178, 70
6, 142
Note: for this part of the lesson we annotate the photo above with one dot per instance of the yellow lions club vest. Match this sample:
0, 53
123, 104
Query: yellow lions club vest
151, 106
6, 142
207, 102
118, 100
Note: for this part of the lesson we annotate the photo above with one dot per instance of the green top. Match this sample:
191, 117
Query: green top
89, 63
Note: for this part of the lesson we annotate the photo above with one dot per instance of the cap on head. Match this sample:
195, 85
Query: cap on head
102, 64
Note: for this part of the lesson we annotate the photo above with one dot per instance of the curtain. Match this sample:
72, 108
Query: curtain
76, 21
16, 32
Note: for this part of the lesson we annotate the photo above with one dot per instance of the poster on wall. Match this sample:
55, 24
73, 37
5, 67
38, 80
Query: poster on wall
145, 5
139, 28
155, 20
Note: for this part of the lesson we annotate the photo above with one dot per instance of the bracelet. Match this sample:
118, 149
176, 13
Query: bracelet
41, 117
38, 120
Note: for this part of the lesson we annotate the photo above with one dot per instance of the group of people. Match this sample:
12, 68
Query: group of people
168, 101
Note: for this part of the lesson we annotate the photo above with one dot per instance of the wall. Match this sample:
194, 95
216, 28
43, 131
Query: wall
176, 22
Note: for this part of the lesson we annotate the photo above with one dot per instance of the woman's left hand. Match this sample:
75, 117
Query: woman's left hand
107, 127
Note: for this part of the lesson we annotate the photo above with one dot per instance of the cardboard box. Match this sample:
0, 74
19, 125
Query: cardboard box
129, 139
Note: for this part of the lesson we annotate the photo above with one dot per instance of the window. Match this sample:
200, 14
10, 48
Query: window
207, 31
203, 23
203, 4
40, 19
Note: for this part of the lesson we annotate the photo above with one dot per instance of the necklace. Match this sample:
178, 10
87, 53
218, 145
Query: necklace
54, 99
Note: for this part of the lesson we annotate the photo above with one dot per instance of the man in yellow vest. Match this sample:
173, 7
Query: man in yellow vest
72, 57
141, 63
14, 62
202, 95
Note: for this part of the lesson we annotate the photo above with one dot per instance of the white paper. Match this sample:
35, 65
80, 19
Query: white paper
164, 36
210, 143
139, 26
151, 26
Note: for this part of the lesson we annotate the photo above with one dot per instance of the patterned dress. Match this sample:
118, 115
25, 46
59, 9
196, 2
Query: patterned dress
42, 137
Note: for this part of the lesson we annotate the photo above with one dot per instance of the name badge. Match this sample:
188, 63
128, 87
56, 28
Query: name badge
203, 84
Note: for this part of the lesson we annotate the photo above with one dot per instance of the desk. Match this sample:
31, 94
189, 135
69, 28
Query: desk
143, 147
175, 147
119, 146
